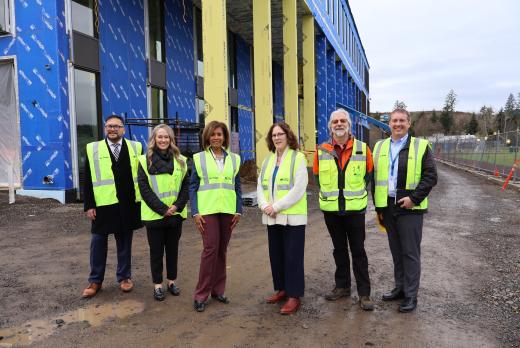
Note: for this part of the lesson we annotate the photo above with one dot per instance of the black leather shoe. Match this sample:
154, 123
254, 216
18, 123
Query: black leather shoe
221, 298
408, 305
174, 290
158, 294
199, 306
394, 294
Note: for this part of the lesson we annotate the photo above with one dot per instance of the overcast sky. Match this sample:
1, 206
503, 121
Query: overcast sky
419, 49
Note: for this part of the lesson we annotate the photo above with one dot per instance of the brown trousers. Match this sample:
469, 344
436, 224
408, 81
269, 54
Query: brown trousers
215, 238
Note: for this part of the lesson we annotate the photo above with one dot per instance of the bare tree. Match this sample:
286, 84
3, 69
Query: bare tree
400, 105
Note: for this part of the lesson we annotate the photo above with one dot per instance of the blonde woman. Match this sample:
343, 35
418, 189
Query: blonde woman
164, 189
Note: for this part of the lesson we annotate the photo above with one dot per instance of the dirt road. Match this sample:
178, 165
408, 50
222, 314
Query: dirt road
469, 295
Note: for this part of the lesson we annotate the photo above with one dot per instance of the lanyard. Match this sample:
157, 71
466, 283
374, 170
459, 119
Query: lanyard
392, 160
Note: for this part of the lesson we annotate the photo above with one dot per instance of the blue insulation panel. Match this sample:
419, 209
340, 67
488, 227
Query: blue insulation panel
339, 82
123, 62
42, 89
345, 87
331, 81
321, 88
278, 93
245, 92
180, 72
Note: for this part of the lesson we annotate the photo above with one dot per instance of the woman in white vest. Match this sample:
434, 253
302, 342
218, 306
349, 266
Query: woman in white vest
216, 206
164, 188
282, 197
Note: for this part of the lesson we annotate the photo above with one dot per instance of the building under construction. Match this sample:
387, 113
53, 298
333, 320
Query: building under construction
67, 64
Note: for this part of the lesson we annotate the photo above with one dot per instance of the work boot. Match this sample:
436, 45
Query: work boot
366, 303
337, 293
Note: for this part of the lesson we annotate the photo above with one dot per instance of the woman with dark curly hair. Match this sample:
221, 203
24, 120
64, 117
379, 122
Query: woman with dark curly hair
282, 197
216, 206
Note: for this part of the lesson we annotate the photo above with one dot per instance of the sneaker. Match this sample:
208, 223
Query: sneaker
366, 303
337, 293
158, 294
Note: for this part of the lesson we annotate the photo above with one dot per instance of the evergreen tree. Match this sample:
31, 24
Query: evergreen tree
509, 112
446, 118
434, 118
472, 126
486, 113
399, 105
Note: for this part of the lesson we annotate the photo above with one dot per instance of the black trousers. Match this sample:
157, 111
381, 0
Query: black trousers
164, 239
349, 230
286, 248
404, 238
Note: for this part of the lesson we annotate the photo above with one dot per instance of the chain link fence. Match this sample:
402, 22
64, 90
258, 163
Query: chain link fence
494, 154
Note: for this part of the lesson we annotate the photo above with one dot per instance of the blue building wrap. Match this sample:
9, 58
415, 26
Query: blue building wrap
180, 69
41, 57
245, 93
339, 82
321, 88
123, 61
278, 101
331, 80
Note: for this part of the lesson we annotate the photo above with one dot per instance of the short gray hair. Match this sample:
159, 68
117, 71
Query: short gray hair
339, 111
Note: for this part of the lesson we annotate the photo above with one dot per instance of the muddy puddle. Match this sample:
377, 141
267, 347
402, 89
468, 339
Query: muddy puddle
94, 315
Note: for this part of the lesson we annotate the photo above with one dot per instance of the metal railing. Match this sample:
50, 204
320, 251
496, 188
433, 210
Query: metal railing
494, 154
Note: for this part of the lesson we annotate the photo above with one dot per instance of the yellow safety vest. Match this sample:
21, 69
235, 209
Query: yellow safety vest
101, 173
284, 180
354, 190
416, 153
216, 192
165, 186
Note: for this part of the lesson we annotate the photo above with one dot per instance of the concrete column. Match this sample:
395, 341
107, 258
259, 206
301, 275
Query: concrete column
262, 75
214, 41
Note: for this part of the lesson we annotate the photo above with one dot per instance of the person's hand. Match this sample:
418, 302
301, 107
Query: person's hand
91, 214
406, 203
199, 222
174, 209
269, 210
380, 218
234, 221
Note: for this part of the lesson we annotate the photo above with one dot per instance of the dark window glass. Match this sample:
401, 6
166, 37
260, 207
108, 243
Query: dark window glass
198, 34
156, 25
158, 104
234, 118
4, 16
83, 16
87, 114
232, 60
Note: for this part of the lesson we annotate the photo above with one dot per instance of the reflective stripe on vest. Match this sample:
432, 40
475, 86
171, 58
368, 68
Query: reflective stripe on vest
355, 193
285, 173
216, 193
101, 171
381, 169
165, 186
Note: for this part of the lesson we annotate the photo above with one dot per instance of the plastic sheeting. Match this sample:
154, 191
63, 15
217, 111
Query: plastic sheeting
9, 139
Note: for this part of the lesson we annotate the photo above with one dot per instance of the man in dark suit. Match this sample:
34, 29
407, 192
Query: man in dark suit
111, 201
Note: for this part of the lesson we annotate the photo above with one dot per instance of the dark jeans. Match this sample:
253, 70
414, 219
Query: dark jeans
98, 256
286, 247
349, 230
404, 238
164, 240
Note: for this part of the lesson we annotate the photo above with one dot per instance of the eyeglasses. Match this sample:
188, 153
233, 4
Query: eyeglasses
113, 126
278, 135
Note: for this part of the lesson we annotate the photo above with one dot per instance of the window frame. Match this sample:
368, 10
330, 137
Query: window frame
9, 19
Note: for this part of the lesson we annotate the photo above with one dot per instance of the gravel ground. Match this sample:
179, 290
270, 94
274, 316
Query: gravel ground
469, 295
